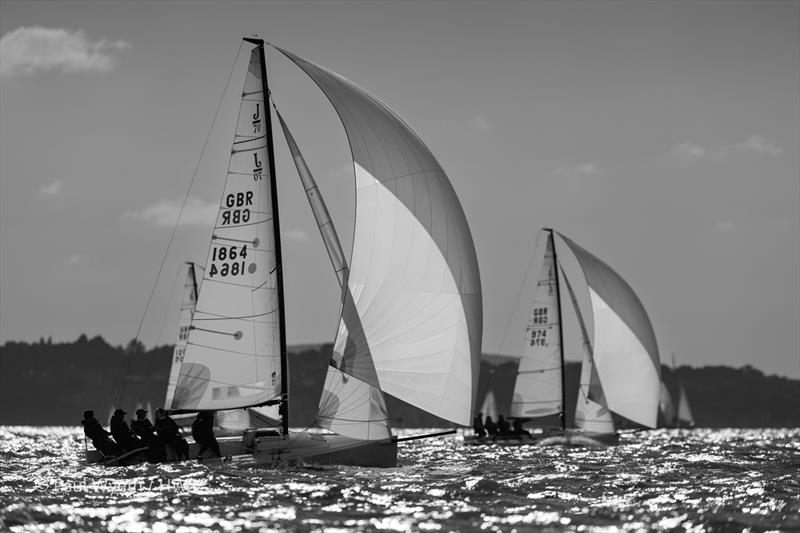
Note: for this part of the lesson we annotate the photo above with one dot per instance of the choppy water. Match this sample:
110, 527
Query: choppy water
699, 480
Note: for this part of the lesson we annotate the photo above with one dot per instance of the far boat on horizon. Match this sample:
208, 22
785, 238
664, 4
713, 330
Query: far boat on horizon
620, 370
675, 415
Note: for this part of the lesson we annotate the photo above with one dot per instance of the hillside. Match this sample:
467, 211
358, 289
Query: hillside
51, 384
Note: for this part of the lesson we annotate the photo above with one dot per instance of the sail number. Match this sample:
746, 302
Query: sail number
539, 315
227, 261
240, 201
539, 337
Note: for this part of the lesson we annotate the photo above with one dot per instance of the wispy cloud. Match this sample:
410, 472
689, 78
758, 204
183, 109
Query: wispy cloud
724, 225
577, 171
28, 49
165, 212
479, 123
76, 259
756, 144
52, 189
296, 235
760, 145
688, 151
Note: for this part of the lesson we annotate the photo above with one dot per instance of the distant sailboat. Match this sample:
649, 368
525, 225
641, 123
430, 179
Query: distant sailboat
620, 370
683, 415
411, 311
676, 415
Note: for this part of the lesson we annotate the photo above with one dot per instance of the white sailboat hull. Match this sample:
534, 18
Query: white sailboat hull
297, 447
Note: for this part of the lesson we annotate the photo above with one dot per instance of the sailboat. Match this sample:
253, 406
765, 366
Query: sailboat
411, 308
675, 415
620, 371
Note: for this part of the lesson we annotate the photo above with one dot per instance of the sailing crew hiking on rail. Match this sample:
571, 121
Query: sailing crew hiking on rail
141, 440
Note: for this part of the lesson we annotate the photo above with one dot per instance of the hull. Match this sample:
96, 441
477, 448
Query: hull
266, 449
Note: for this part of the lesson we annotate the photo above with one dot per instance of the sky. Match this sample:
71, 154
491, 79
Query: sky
661, 136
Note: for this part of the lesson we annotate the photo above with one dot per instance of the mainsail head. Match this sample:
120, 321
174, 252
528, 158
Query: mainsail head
412, 310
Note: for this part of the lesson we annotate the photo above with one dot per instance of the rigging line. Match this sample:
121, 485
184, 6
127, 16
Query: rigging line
175, 227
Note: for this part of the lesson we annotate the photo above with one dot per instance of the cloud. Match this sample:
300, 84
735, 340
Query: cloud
688, 151
724, 225
759, 145
164, 213
76, 259
296, 235
53, 189
28, 49
578, 171
479, 123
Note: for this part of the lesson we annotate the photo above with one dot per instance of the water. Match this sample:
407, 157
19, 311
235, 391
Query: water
699, 480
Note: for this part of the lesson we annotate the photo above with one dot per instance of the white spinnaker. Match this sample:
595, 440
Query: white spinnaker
630, 382
233, 352
684, 414
537, 391
409, 306
348, 406
591, 408
414, 305
188, 303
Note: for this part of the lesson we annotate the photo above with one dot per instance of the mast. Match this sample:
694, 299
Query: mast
560, 335
284, 405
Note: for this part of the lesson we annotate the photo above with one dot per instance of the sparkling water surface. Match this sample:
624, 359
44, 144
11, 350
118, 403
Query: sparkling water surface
686, 480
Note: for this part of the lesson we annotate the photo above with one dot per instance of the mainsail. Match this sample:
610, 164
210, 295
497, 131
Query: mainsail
233, 352
538, 388
412, 310
184, 323
624, 349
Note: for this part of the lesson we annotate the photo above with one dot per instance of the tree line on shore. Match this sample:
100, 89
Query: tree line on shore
46, 383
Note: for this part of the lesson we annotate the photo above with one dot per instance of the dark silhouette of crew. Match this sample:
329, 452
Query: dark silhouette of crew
503, 427
122, 432
519, 430
99, 436
491, 427
477, 426
170, 434
203, 434
146, 431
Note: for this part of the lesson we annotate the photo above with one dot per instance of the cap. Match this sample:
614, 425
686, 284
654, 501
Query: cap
88, 413
120, 412
141, 412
